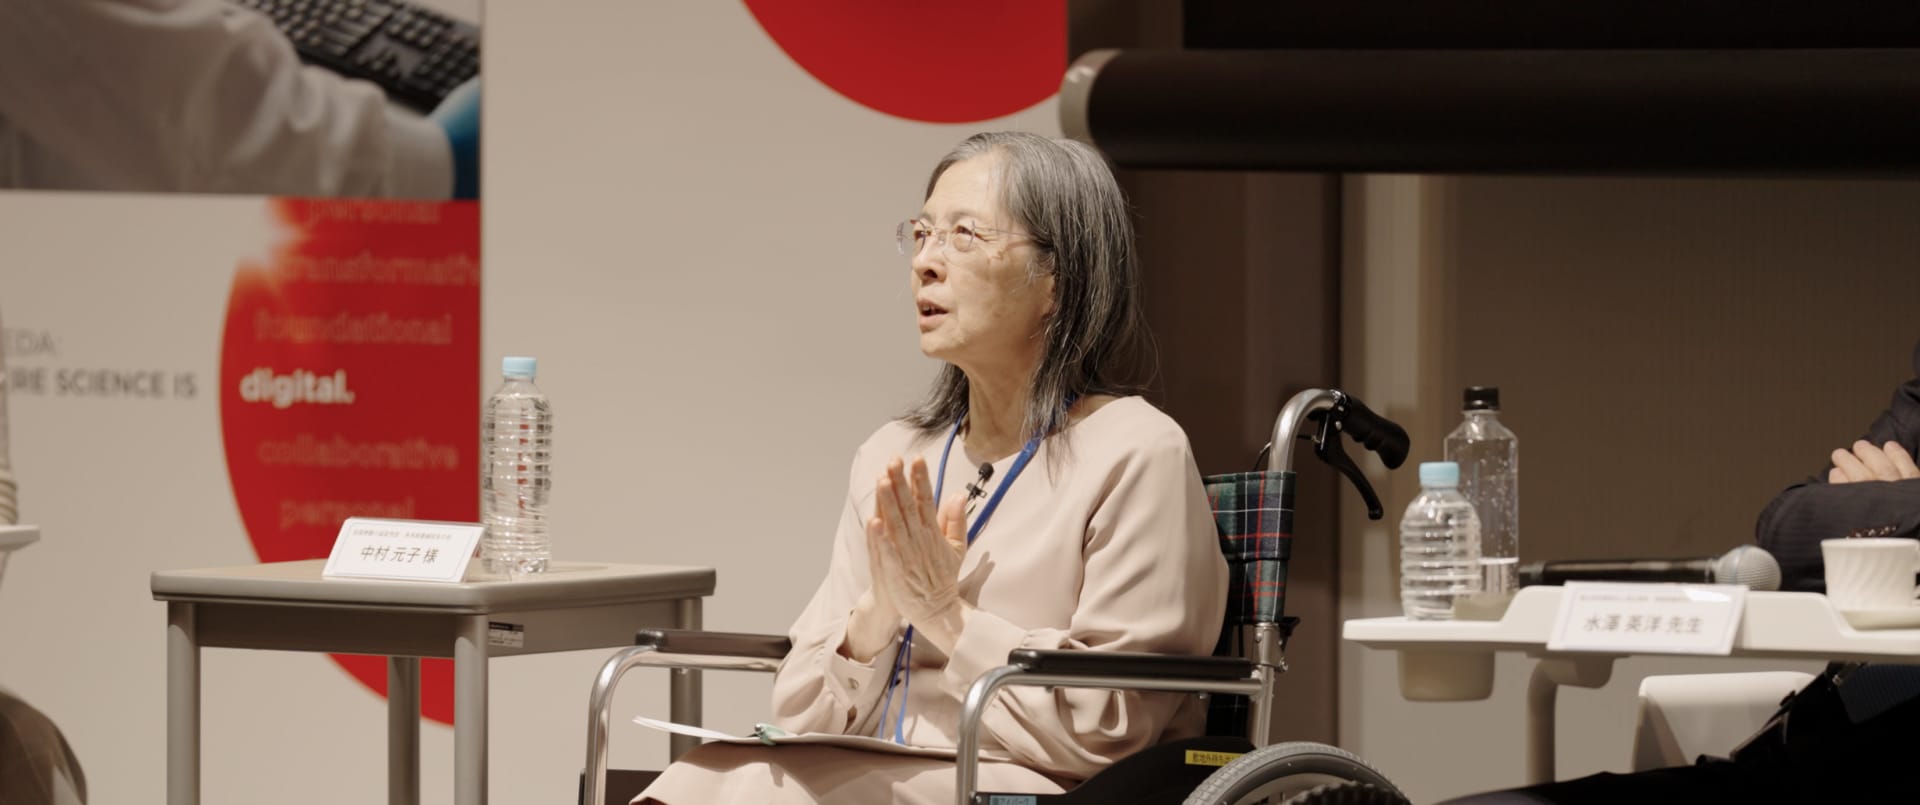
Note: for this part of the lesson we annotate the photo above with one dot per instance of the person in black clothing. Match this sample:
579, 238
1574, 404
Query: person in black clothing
1852, 734
1872, 490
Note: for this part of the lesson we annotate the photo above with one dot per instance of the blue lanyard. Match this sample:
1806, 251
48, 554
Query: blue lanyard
902, 659
1019, 463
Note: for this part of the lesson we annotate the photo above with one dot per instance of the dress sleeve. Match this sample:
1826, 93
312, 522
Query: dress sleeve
1153, 581
817, 689
202, 96
1792, 526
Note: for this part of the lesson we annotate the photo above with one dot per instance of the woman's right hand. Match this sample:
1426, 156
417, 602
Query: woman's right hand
874, 622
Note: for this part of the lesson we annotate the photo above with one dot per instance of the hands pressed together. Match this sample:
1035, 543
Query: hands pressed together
1868, 462
914, 551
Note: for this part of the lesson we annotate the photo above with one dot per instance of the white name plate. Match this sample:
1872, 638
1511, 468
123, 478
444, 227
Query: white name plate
415, 550
1622, 618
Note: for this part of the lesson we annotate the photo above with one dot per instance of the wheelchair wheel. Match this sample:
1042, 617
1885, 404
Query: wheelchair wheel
1276, 774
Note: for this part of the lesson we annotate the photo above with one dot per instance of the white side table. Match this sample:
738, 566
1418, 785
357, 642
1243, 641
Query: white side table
287, 606
1453, 660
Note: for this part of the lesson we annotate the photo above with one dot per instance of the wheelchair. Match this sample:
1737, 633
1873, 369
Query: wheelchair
1235, 762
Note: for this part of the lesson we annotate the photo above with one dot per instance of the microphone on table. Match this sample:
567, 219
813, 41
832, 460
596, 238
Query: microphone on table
1746, 565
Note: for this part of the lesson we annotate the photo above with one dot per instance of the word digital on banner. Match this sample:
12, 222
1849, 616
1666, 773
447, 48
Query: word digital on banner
1623, 618
412, 550
347, 383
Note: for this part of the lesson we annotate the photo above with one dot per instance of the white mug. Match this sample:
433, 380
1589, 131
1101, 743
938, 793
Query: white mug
1876, 573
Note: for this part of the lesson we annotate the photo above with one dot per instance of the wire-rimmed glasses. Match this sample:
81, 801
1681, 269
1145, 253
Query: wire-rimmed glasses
910, 236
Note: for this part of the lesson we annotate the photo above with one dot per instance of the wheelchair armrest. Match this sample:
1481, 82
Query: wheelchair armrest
684, 649
714, 644
1090, 669
1069, 662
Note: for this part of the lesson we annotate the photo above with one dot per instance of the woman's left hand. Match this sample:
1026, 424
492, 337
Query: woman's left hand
919, 550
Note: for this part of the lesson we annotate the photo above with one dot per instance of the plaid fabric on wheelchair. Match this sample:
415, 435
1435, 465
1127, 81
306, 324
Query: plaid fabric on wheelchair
1253, 513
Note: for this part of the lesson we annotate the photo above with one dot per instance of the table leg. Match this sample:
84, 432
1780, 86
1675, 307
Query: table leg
1542, 697
470, 712
1543, 689
683, 687
403, 730
183, 706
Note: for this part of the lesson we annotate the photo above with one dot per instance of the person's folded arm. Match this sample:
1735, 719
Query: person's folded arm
1793, 524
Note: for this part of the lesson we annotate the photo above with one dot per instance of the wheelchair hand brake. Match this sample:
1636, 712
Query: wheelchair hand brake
1328, 446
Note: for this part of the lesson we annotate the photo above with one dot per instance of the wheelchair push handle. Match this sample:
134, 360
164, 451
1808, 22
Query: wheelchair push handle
1334, 412
1377, 433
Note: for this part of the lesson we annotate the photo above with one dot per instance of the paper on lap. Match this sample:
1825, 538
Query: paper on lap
860, 742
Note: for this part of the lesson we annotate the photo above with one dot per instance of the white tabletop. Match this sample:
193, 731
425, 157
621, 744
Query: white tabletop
566, 584
15, 537
1773, 624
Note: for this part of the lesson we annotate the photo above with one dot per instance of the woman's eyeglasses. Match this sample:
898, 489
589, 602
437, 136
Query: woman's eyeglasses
911, 236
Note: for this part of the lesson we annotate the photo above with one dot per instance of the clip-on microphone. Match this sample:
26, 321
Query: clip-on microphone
978, 488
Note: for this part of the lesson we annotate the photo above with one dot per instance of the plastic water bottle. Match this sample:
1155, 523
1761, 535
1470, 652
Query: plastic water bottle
1439, 545
516, 442
1489, 459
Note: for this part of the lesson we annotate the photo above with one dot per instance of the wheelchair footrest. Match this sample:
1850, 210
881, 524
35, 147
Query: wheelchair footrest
1163, 774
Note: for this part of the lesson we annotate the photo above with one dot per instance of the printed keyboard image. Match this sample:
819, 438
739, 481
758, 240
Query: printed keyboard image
415, 54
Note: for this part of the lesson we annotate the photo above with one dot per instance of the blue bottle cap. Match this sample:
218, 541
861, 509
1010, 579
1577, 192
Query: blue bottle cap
1439, 474
518, 367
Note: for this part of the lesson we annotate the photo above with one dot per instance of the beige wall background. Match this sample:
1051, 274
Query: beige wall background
1671, 354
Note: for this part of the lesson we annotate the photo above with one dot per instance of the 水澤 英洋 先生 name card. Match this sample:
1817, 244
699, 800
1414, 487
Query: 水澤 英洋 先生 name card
414, 550
1623, 618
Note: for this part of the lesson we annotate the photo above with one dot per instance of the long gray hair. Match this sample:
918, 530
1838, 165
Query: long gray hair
1062, 193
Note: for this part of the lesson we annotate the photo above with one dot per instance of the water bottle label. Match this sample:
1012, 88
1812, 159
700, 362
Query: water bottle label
1623, 618
415, 550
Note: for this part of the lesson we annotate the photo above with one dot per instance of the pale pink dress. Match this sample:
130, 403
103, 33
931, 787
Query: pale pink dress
1107, 545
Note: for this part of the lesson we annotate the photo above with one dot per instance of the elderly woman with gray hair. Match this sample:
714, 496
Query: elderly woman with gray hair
1059, 512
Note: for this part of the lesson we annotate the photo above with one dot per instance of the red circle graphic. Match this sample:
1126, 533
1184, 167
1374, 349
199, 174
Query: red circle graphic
349, 383
931, 62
